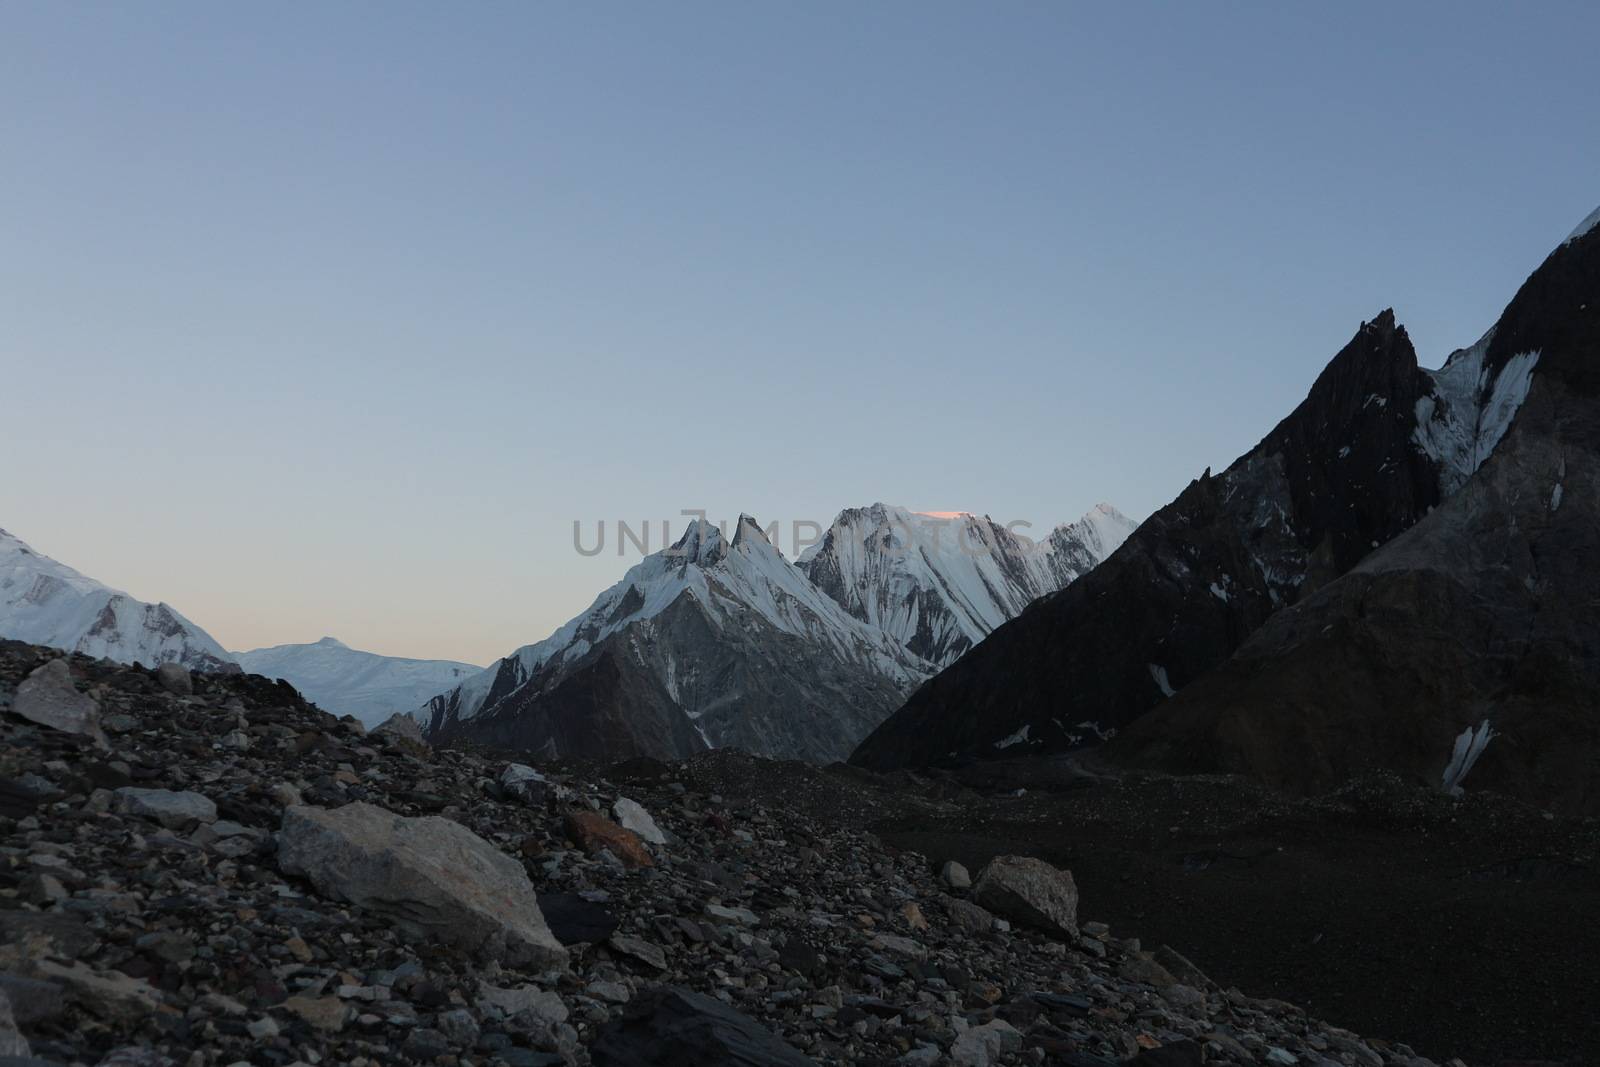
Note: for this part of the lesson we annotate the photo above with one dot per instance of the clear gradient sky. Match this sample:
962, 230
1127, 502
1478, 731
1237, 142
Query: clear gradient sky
331, 319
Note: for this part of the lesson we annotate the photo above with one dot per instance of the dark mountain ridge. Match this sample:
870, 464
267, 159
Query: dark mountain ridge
1317, 635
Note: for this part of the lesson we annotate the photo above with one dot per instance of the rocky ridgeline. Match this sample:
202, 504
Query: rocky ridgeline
207, 870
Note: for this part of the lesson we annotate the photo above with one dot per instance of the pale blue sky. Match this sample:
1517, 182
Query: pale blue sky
332, 318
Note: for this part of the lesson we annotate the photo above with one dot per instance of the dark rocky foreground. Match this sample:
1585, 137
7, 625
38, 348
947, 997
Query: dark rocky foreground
218, 873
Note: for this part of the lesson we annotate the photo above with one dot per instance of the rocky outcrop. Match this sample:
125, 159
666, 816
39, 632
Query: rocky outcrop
1377, 445
1194, 580
1460, 653
433, 878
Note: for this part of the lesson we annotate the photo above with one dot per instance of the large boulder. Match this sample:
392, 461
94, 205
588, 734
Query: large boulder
1030, 892
675, 1027
48, 697
434, 878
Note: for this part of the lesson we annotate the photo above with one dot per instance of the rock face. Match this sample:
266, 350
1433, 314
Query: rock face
49, 603
1459, 654
675, 1027
49, 698
432, 877
1195, 579
1031, 892
1361, 664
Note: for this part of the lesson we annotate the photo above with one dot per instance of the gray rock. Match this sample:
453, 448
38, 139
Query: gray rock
970, 917
675, 1027
434, 878
524, 783
48, 697
175, 679
632, 816
955, 875
174, 810
31, 1000
980, 1046
643, 951
526, 1002
459, 1026
743, 916
12, 1043
402, 725
1031, 892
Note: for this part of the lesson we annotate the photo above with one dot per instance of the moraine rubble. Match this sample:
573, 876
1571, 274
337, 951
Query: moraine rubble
194, 890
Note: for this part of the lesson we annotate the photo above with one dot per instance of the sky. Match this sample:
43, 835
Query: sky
334, 319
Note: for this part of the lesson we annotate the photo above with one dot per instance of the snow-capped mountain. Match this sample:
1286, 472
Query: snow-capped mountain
48, 603
347, 681
939, 583
1379, 566
711, 642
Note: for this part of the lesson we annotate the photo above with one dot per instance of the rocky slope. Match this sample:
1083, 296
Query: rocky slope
1375, 446
939, 584
347, 681
714, 641
49, 603
1461, 652
230, 875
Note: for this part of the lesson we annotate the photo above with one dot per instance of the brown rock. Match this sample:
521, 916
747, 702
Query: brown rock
328, 1014
592, 832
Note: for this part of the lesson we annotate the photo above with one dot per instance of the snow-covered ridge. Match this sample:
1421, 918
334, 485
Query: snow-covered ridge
1584, 227
347, 681
1468, 413
46, 602
940, 582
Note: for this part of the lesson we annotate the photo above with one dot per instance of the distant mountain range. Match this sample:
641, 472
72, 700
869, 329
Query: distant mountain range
347, 681
48, 603
1404, 574
722, 641
716, 641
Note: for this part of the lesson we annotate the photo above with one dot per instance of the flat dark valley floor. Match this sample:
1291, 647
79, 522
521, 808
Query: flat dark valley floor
1464, 927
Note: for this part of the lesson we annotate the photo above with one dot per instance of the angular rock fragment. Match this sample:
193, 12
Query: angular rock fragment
1031, 892
675, 1027
48, 697
433, 877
